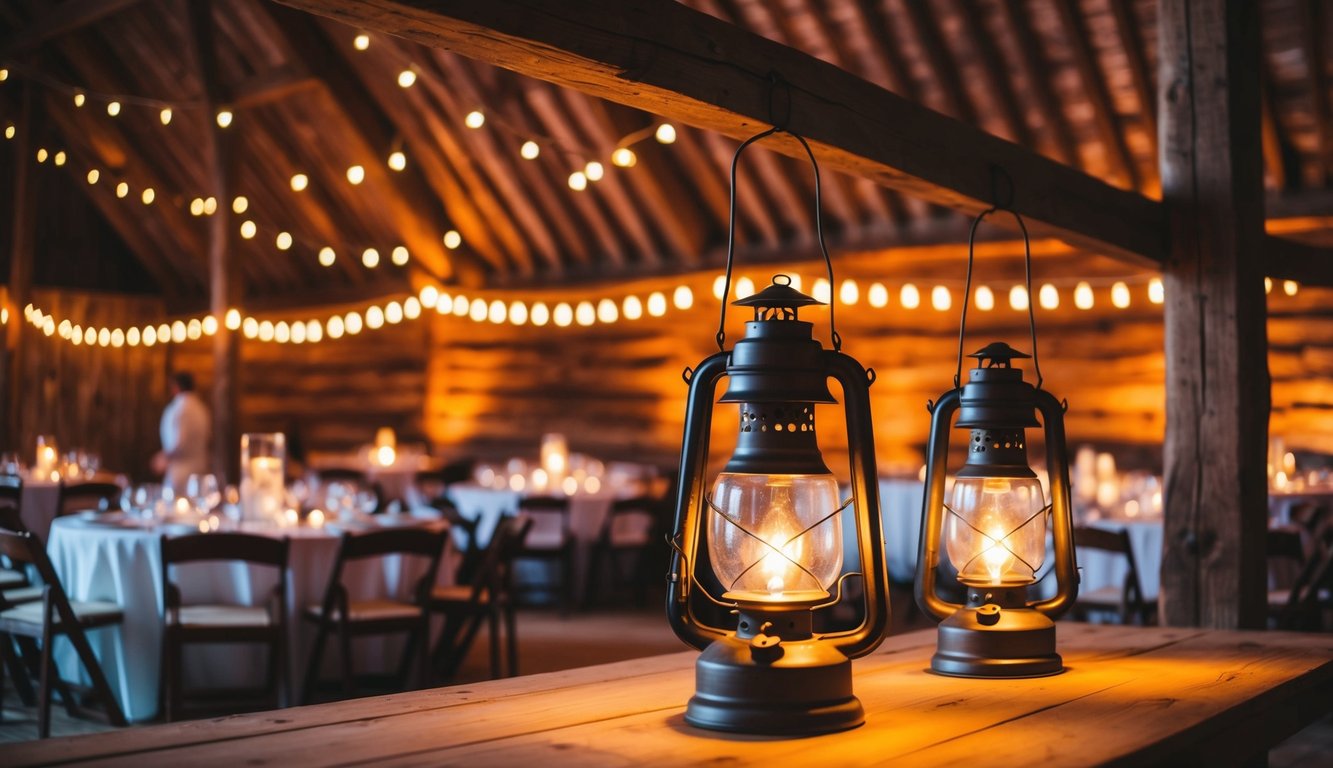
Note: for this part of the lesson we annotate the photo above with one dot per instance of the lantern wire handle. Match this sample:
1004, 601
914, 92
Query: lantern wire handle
967, 290
731, 231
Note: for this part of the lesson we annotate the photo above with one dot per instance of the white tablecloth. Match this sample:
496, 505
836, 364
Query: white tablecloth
123, 564
900, 508
1105, 569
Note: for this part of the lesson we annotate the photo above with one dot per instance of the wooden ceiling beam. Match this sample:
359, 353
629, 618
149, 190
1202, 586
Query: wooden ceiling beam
1094, 82
56, 20
271, 86
1035, 70
1307, 264
680, 63
408, 202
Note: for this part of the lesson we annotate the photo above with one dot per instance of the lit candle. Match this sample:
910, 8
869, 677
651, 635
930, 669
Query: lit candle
316, 518
263, 495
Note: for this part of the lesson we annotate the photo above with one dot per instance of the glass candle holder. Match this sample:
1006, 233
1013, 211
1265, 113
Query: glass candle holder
263, 467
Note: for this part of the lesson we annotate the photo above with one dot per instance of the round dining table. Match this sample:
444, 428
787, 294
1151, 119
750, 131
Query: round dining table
116, 558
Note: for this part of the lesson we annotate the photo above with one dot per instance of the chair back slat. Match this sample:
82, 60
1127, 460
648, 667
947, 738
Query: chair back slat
11, 491
26, 549
424, 542
76, 497
11, 520
550, 521
632, 522
196, 547
1116, 542
492, 573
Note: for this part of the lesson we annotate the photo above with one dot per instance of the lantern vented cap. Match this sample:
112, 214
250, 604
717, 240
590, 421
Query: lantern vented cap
778, 295
997, 354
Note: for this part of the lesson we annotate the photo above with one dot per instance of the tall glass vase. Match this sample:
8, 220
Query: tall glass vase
263, 469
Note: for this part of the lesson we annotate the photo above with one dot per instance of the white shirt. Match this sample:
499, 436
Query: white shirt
185, 437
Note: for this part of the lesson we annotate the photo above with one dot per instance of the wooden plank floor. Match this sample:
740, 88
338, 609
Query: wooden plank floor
1204, 694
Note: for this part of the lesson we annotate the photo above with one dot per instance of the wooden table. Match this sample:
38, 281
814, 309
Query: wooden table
1130, 694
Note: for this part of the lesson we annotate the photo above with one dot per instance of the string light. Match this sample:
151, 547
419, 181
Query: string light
210, 325
518, 313
239, 204
197, 207
233, 319
210, 206
563, 315
79, 98
940, 298
719, 285
283, 241
266, 331
429, 295
578, 181
1290, 287
632, 308
849, 292
113, 108
59, 158
475, 119
822, 291
374, 317
411, 308
984, 298
361, 42
397, 160
356, 174
42, 154
250, 329
1120, 295
148, 196
1018, 297
9, 131
327, 256
93, 176
584, 314
1083, 298
682, 297
607, 311
352, 323
1156, 291
407, 78
909, 296
248, 229
452, 239
224, 118
460, 306
496, 312
540, 315
878, 296
399, 256
594, 171
530, 150
624, 157
122, 189
393, 313
1048, 297
665, 133
334, 327
370, 258
165, 115
744, 288
299, 182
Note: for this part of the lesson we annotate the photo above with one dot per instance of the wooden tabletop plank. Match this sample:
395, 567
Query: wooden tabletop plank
1126, 689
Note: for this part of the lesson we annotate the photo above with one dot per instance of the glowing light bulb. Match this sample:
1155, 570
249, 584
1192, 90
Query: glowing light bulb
298, 332
475, 119
666, 133
374, 317
878, 296
356, 174
744, 288
399, 256
113, 108
540, 315
197, 207
682, 297
1156, 291
327, 256
632, 308
393, 313
624, 158
1083, 298
657, 304
59, 158
563, 314
1120, 295
282, 333
209, 325
479, 310
1048, 297
133, 336
821, 291
530, 150
239, 204
407, 78
224, 118
335, 327
232, 319
1018, 297
984, 298
250, 328
283, 241
42, 154
165, 115
585, 314
210, 206
461, 305
397, 160
578, 181
518, 313
411, 308
1268, 285
594, 171
148, 196
361, 42
496, 312
909, 296
79, 98
370, 258
299, 182
248, 229
103, 337
429, 295
940, 298
178, 331
452, 239
194, 329
607, 311
1290, 287
93, 176
849, 292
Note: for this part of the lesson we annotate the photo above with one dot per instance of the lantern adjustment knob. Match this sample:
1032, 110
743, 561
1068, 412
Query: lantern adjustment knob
988, 614
765, 647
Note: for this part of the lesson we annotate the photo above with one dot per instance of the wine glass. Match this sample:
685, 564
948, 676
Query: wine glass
203, 491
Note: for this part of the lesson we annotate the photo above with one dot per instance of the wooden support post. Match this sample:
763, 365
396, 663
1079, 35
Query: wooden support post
20, 276
224, 275
1217, 385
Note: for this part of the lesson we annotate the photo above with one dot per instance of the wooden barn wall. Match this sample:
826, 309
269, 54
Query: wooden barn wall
332, 395
617, 391
102, 399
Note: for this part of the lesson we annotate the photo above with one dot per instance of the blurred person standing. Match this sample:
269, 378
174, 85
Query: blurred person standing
185, 435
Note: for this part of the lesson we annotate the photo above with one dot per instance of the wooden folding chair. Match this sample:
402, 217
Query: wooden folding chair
223, 623
488, 595
347, 618
55, 615
80, 497
549, 540
471, 549
625, 545
1126, 600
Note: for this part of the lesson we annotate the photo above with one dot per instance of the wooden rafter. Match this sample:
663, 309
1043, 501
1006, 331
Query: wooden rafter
1127, 28
1094, 82
56, 20
995, 71
1035, 71
1313, 13
942, 65
689, 67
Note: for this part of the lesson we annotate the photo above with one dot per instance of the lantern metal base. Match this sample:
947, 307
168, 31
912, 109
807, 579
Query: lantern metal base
990, 641
791, 689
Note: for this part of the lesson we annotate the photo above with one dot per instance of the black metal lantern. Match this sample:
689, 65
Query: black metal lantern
770, 524
994, 524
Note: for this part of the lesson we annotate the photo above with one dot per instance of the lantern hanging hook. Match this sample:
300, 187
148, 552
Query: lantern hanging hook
731, 222
1004, 193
